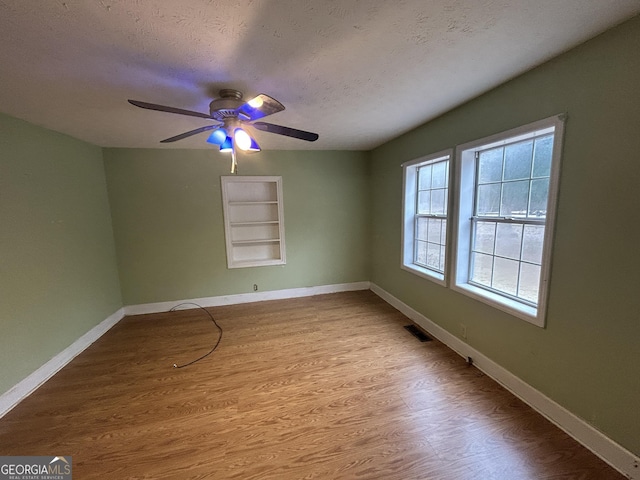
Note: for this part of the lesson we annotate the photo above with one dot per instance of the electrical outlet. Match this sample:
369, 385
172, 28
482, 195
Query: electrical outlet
463, 330
255, 287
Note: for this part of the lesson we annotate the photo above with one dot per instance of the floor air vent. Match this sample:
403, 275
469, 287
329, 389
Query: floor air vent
416, 332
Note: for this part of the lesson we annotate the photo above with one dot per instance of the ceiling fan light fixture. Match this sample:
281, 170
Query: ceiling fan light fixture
256, 102
243, 139
231, 113
227, 145
217, 137
254, 147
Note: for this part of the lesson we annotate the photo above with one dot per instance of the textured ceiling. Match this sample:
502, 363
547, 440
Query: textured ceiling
357, 72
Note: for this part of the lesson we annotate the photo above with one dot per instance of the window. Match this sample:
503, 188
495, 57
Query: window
425, 207
507, 186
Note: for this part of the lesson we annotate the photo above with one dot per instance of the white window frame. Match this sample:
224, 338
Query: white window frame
464, 192
409, 214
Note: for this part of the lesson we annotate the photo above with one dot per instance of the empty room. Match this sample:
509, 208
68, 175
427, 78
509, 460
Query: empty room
284, 239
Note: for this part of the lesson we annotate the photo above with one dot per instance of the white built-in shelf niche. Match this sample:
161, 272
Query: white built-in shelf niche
253, 220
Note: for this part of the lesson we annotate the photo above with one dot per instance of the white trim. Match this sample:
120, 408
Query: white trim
407, 230
536, 128
512, 307
260, 245
247, 297
464, 187
27, 386
615, 455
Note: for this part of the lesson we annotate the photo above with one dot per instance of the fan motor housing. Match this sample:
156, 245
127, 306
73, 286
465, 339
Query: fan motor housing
226, 106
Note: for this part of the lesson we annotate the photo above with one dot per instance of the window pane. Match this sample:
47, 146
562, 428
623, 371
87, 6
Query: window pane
434, 230
509, 240
539, 195
433, 255
515, 196
481, 268
485, 237
532, 243
529, 282
488, 200
505, 275
490, 165
424, 177
421, 253
437, 201
439, 179
421, 228
542, 156
442, 257
517, 160
424, 202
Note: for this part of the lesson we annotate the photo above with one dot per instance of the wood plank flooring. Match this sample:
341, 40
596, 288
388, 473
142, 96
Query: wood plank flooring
325, 387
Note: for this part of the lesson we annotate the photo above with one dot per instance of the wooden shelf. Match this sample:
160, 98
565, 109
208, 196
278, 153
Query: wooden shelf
244, 224
257, 241
254, 223
254, 203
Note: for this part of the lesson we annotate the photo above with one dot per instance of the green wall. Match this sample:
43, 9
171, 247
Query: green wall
587, 358
58, 276
166, 207
59, 198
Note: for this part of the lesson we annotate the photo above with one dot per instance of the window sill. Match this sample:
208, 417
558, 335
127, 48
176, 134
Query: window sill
425, 273
517, 309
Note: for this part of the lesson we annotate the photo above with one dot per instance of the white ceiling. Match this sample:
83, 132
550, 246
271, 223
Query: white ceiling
357, 72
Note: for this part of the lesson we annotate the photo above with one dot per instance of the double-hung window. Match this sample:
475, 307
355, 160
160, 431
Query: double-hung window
425, 213
507, 187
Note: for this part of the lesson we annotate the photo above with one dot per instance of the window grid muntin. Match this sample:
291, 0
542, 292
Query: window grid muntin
536, 141
520, 260
441, 243
431, 189
417, 242
518, 220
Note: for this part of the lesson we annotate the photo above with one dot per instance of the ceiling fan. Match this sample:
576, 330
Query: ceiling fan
235, 117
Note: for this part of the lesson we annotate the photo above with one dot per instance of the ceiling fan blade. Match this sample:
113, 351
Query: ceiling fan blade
259, 107
164, 108
189, 133
289, 132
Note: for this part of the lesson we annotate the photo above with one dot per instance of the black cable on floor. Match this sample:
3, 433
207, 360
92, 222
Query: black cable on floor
214, 322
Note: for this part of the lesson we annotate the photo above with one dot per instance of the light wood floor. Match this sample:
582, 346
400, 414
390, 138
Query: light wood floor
326, 387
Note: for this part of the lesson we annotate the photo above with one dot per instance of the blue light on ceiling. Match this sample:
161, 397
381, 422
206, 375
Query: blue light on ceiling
227, 145
218, 136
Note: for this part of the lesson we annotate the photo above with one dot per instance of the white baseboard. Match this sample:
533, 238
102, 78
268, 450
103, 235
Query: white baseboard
247, 297
26, 387
615, 455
